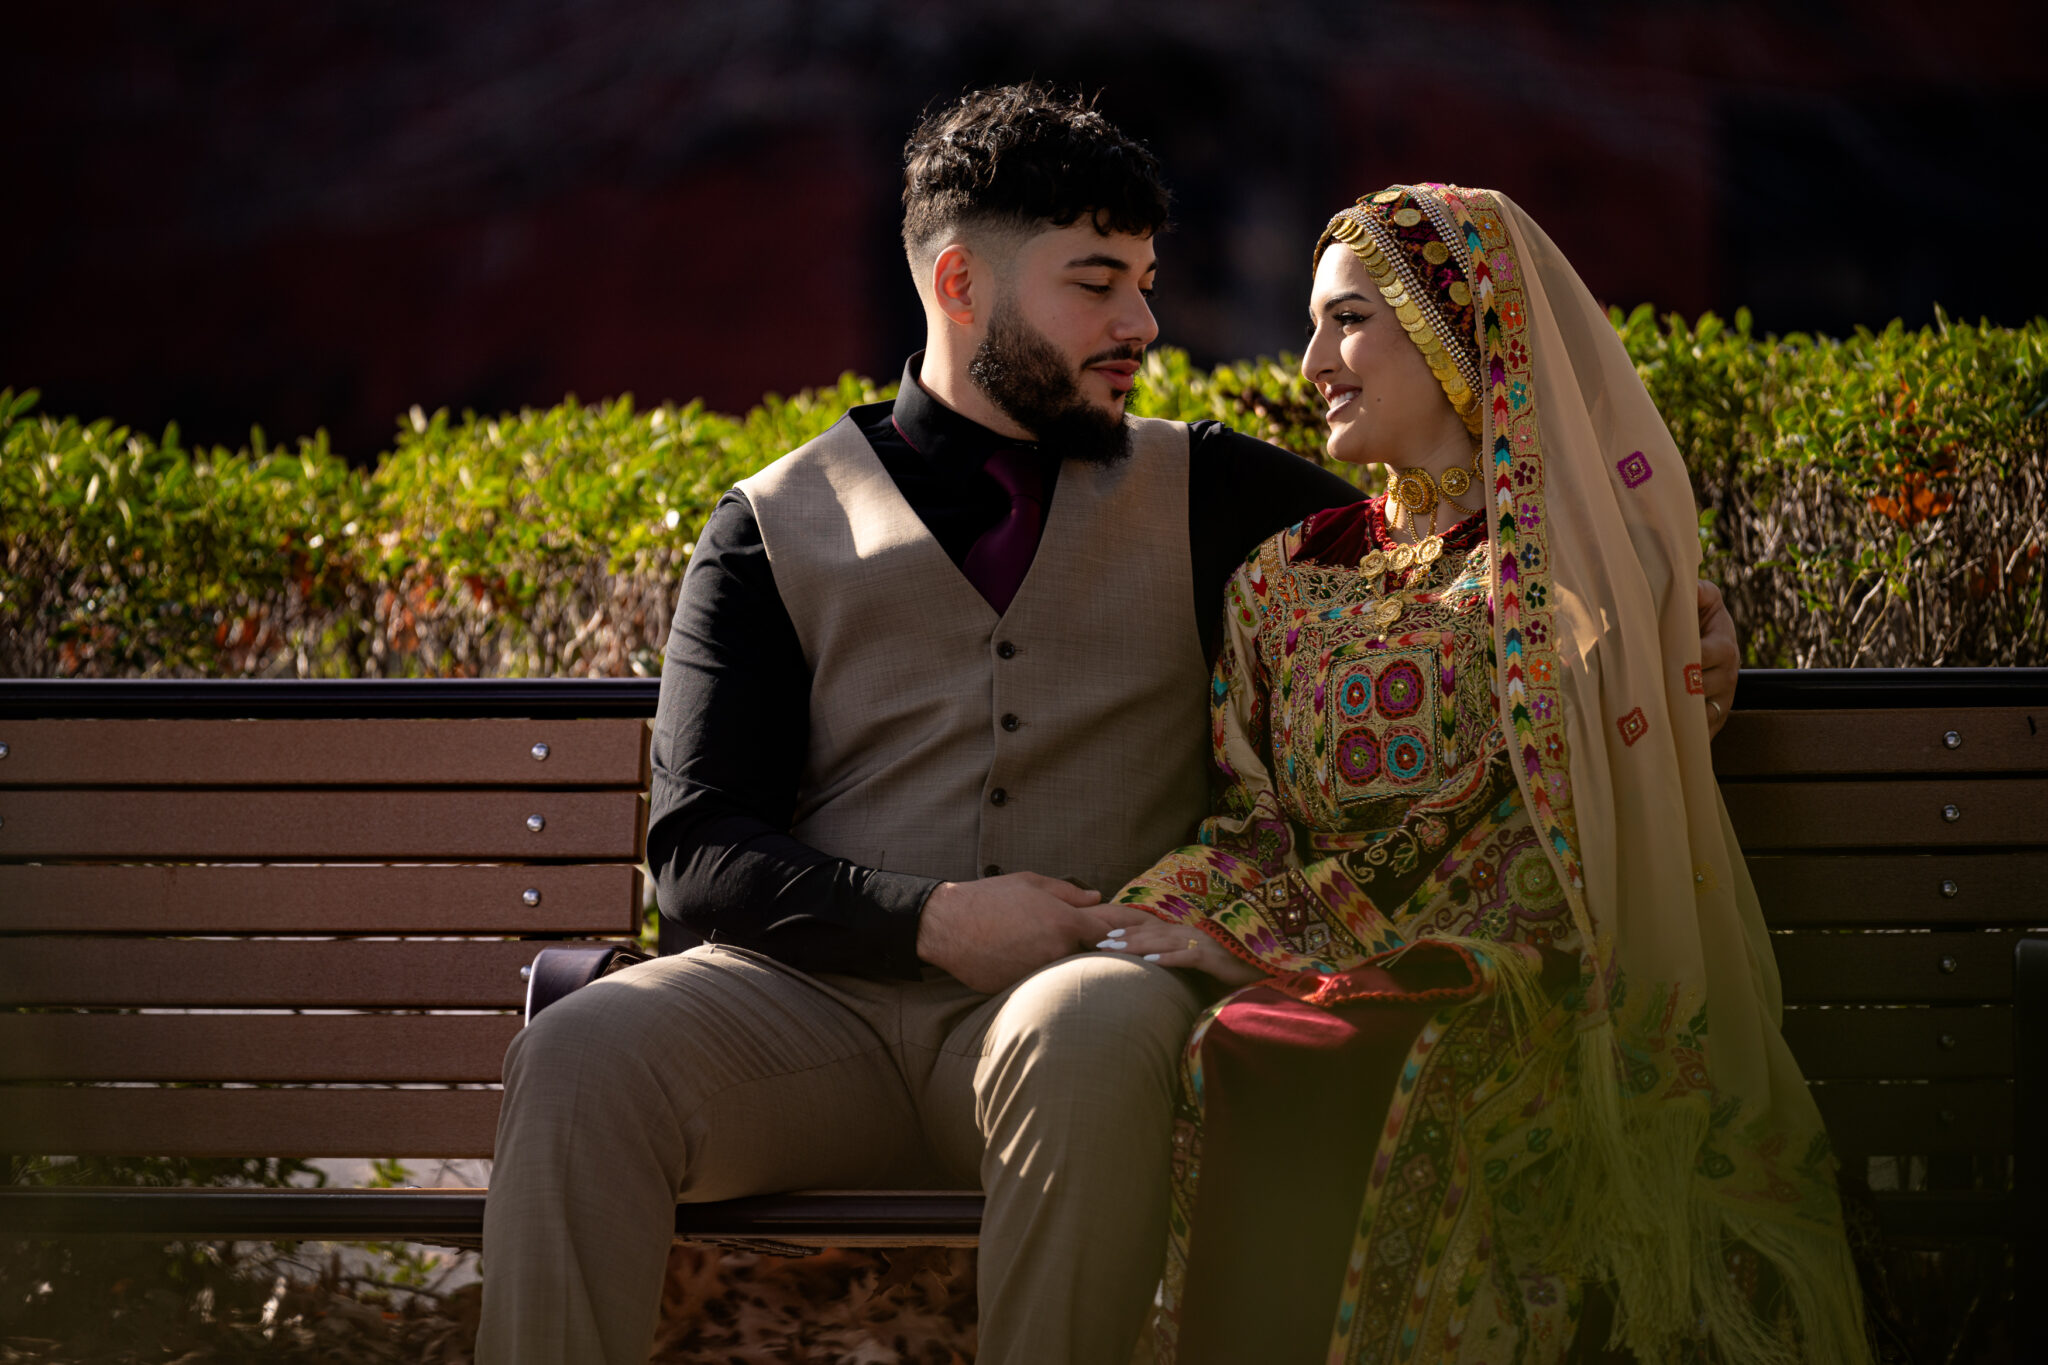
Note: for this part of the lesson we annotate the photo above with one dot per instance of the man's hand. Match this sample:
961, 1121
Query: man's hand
999, 930
1720, 657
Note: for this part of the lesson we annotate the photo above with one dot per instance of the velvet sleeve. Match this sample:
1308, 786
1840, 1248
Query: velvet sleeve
1246, 854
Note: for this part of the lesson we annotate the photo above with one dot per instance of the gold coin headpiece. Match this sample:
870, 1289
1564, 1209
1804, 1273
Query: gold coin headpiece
1422, 267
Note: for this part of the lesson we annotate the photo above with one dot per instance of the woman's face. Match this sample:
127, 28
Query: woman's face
1383, 404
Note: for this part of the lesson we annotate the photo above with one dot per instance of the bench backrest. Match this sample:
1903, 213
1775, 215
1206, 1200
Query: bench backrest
295, 936
303, 904
1899, 854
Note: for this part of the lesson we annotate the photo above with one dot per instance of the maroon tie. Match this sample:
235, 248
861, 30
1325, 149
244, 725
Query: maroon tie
996, 564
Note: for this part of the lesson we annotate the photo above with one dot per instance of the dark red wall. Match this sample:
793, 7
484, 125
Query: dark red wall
316, 215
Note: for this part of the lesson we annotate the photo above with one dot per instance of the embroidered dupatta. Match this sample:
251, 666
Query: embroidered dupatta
1646, 1129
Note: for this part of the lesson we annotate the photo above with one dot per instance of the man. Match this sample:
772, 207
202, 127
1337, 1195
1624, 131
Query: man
935, 687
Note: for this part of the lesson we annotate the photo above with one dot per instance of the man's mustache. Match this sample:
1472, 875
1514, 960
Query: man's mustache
1114, 354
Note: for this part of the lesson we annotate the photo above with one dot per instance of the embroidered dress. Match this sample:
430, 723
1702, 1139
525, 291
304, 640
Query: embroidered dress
1466, 817
1386, 815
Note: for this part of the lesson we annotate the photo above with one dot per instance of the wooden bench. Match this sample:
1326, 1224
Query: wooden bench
1896, 826
290, 919
287, 919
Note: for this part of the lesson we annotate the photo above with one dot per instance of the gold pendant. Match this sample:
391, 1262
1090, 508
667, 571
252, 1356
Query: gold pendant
1374, 564
1429, 551
1386, 613
1414, 492
1454, 482
1402, 558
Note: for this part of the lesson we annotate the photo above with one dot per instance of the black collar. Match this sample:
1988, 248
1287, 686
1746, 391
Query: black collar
947, 443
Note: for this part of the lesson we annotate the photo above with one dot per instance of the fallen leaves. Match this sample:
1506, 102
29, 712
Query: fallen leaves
903, 1306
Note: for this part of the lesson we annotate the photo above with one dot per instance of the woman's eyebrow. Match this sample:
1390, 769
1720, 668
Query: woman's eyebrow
1333, 301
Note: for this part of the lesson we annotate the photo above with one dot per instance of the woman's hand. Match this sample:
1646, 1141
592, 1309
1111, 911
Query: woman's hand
1177, 945
1720, 656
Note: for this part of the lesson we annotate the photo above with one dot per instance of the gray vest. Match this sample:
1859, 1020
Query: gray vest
1068, 736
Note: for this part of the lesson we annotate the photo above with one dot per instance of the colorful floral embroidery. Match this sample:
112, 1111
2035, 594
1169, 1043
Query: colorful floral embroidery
1356, 696
1633, 726
1358, 757
1400, 690
1322, 720
1407, 750
1529, 697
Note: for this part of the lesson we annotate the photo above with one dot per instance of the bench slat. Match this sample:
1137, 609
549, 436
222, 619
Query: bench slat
133, 1121
390, 826
266, 973
254, 1047
1901, 740
1863, 1117
838, 1218
1894, 968
1899, 1044
323, 753
835, 1218
480, 899
1990, 811
1901, 889
1875, 1119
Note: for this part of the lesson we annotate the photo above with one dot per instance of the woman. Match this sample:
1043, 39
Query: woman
1514, 1029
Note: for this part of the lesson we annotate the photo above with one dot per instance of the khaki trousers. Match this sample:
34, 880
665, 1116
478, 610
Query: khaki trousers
720, 1073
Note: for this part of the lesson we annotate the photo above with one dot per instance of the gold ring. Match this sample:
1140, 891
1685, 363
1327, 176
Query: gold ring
1193, 943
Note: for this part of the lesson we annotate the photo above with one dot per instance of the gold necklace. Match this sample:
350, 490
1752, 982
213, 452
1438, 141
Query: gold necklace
1387, 610
1414, 493
1402, 557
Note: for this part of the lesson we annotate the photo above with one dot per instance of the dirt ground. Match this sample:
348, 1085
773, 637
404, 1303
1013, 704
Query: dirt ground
122, 1304
913, 1306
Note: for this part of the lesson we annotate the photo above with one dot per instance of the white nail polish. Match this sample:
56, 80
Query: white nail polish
1110, 943
1116, 933
1151, 957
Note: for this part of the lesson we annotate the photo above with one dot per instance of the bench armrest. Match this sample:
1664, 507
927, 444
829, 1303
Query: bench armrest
555, 972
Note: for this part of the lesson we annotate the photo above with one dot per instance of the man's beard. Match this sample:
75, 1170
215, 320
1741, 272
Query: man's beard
1031, 383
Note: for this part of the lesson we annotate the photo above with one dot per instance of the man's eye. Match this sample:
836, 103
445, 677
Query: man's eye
1148, 291
1093, 288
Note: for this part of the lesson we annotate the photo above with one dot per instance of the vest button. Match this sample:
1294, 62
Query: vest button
1006, 650
991, 871
1010, 722
998, 796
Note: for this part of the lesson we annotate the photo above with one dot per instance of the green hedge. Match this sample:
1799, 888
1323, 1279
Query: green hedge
1877, 499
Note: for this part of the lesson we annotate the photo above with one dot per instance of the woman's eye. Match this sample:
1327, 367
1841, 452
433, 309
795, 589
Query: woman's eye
1341, 319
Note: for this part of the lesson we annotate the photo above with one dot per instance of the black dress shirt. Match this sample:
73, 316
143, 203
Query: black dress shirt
732, 729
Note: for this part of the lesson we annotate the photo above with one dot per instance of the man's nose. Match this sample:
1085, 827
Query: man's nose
1137, 324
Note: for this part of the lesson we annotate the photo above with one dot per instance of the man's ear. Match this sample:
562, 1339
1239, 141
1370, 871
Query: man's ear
955, 278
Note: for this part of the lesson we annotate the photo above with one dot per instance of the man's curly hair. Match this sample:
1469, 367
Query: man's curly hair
1020, 157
